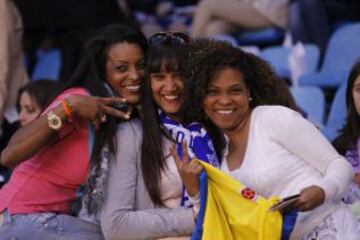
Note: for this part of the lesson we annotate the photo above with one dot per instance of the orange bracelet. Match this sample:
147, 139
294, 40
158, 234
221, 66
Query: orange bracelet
67, 109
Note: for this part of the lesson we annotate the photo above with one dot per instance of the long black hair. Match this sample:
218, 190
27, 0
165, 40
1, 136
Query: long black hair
90, 74
168, 56
351, 130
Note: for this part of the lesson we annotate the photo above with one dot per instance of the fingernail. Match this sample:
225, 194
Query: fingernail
127, 116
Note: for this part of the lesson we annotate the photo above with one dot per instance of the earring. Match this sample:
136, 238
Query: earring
250, 99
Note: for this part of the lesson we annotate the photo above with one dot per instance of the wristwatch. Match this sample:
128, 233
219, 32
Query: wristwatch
54, 121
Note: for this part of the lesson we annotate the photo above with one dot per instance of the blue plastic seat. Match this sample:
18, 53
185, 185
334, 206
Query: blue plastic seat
278, 58
48, 65
341, 53
311, 100
337, 115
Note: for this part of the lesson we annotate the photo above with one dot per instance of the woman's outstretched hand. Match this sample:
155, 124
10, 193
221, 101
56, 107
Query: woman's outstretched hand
189, 170
310, 198
96, 109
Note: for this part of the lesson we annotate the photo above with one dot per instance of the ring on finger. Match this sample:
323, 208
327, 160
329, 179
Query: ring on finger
103, 118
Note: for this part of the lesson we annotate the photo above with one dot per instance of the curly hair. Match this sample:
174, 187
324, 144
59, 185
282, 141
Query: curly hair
208, 58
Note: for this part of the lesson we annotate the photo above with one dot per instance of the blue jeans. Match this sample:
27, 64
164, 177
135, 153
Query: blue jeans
44, 226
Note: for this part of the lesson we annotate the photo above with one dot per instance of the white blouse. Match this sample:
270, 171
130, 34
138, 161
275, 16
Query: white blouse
285, 154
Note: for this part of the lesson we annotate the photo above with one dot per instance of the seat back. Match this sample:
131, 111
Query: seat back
48, 65
278, 57
337, 115
343, 49
311, 100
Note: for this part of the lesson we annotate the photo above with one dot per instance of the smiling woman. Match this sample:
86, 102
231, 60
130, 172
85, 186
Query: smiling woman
125, 69
271, 149
51, 155
145, 192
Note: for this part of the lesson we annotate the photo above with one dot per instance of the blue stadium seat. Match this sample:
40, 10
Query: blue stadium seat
278, 58
48, 65
341, 53
311, 99
337, 114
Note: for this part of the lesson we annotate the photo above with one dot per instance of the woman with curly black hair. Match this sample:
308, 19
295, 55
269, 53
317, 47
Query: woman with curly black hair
271, 149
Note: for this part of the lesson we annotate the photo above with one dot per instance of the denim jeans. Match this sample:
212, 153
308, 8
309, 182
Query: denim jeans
44, 226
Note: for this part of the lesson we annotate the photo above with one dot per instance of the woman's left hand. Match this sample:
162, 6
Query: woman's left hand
189, 170
310, 198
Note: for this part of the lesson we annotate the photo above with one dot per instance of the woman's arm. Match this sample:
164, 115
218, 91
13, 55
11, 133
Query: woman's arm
304, 140
119, 218
30, 139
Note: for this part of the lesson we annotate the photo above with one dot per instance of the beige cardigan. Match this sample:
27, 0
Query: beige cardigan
128, 213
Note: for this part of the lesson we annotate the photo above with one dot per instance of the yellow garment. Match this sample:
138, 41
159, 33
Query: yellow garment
234, 211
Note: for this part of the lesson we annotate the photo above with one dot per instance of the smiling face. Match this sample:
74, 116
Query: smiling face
29, 109
227, 100
167, 91
124, 70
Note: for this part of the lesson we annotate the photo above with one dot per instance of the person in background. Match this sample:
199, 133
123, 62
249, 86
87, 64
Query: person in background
12, 70
271, 149
50, 155
348, 140
214, 17
30, 101
33, 97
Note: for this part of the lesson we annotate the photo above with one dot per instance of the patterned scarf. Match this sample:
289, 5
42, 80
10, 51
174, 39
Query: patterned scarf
199, 144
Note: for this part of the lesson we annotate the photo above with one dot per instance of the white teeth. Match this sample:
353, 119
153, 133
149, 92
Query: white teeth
224, 112
171, 97
133, 87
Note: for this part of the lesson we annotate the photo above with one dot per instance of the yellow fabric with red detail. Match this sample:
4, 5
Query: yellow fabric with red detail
234, 211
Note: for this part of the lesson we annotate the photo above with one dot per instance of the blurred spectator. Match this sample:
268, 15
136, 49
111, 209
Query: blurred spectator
31, 100
12, 71
214, 17
68, 24
348, 141
311, 21
33, 97
163, 15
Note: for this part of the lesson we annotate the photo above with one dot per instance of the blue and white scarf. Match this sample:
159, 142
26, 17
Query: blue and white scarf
199, 144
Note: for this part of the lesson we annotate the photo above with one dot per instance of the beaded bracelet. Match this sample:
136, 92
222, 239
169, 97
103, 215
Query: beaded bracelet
67, 109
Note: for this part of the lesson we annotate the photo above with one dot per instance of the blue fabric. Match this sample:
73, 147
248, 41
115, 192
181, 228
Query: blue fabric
200, 218
199, 144
289, 220
52, 226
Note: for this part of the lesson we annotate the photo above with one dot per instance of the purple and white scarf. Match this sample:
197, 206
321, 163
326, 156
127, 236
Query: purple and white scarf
352, 155
199, 144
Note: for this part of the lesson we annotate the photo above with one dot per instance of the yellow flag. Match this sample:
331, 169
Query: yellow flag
234, 211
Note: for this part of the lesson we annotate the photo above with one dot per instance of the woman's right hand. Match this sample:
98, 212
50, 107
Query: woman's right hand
96, 109
356, 178
189, 170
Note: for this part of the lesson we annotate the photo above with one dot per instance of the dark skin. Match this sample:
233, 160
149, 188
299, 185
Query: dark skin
229, 91
30, 139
